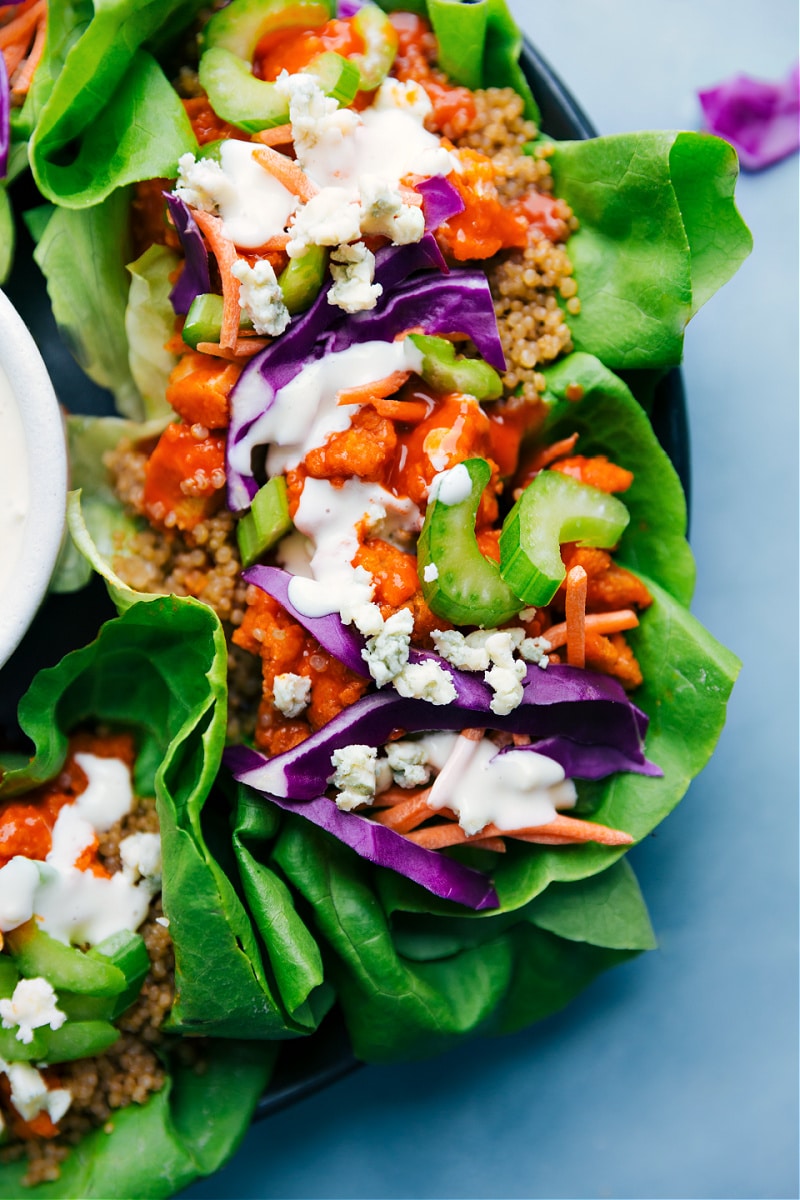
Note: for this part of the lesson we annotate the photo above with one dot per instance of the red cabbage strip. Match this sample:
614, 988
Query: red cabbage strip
441, 200
194, 280
597, 716
459, 303
340, 640
581, 761
5, 115
760, 120
443, 876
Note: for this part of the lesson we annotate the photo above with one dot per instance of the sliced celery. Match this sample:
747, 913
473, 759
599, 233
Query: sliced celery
554, 509
266, 523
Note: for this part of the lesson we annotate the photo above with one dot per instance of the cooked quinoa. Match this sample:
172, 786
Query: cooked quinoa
526, 284
130, 1070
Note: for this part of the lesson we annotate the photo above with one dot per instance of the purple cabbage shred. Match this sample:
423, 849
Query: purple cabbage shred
760, 120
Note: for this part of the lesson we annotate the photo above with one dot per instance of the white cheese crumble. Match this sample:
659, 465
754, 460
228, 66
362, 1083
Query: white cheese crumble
425, 681
260, 296
354, 775
32, 1006
203, 184
536, 650
386, 652
408, 762
431, 572
384, 213
140, 854
506, 673
291, 693
330, 218
30, 1094
353, 269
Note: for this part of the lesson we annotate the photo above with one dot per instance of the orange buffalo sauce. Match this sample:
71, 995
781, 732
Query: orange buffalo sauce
292, 49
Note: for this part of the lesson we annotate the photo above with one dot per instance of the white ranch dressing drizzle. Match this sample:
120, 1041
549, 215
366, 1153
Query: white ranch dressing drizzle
512, 790
330, 517
14, 483
257, 206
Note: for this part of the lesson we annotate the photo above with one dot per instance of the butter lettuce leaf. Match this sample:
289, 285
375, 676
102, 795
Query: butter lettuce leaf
82, 255
188, 1129
160, 669
659, 233
101, 113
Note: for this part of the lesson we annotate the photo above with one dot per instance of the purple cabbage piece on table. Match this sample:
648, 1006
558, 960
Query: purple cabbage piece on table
5, 118
438, 874
194, 280
761, 120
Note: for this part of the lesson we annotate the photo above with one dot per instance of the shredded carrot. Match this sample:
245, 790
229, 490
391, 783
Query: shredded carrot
279, 135
489, 843
392, 795
571, 829
286, 171
272, 245
224, 252
241, 348
21, 26
409, 196
549, 454
610, 622
369, 392
22, 79
561, 830
408, 814
577, 583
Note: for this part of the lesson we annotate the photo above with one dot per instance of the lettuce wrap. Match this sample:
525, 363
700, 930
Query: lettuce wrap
151, 671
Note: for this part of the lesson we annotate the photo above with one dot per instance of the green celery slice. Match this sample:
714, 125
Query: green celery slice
447, 373
266, 523
36, 953
468, 588
553, 509
302, 278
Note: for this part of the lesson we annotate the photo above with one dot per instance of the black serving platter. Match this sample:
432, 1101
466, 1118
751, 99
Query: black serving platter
66, 622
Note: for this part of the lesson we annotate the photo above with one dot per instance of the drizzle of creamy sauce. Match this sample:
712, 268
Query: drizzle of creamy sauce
257, 205
76, 906
513, 790
14, 483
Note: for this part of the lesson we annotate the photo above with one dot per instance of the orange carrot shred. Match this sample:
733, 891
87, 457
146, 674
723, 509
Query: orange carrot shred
286, 171
242, 348
610, 622
577, 583
21, 80
561, 830
279, 135
406, 815
224, 252
368, 392
21, 26
549, 454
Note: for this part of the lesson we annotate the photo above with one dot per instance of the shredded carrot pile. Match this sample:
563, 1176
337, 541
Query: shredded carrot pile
22, 36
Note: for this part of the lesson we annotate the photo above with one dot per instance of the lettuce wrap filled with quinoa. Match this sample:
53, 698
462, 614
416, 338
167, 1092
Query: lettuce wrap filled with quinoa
92, 925
363, 355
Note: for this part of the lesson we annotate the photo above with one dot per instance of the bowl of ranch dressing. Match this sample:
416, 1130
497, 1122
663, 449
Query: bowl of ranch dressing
33, 479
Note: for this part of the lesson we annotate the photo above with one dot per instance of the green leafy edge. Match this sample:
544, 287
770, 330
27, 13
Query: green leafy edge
188, 1129
659, 233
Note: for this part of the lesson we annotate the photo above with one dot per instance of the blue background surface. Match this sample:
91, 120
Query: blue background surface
676, 1074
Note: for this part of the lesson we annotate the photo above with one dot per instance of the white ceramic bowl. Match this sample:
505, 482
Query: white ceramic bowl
33, 479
